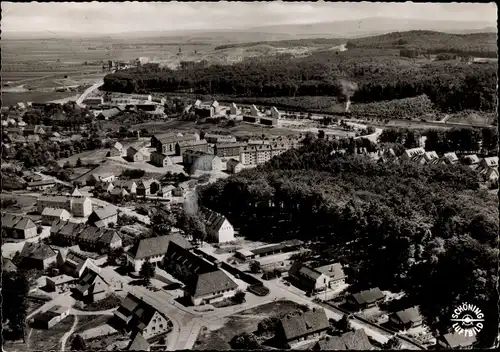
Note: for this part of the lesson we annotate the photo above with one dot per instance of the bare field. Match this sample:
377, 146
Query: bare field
33, 96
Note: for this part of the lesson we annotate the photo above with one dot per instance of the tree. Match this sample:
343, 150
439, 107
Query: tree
67, 165
343, 325
254, 266
15, 290
392, 344
239, 296
147, 271
321, 134
79, 162
244, 341
78, 343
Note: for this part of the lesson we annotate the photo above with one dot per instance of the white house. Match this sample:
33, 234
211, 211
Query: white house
233, 109
254, 111
219, 229
275, 114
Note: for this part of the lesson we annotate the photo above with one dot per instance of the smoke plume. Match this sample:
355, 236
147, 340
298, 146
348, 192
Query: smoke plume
191, 203
348, 88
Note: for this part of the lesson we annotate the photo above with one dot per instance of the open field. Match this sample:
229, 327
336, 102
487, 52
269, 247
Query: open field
33, 96
245, 321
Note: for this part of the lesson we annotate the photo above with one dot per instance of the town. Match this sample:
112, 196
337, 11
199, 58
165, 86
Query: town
136, 219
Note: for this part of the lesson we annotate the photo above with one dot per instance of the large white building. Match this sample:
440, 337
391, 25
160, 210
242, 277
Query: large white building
78, 206
219, 229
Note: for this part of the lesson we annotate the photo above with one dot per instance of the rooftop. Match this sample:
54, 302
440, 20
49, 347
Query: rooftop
153, 246
303, 323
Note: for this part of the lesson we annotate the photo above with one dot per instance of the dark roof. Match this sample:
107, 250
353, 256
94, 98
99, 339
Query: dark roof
46, 317
138, 343
409, 315
334, 271
57, 225
152, 246
8, 265
191, 143
267, 249
172, 138
211, 282
213, 220
109, 236
456, 340
229, 145
90, 233
38, 251
87, 280
137, 310
10, 220
303, 323
24, 224
233, 162
356, 341
369, 296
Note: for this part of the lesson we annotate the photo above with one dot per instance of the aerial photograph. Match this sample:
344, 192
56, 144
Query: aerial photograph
249, 176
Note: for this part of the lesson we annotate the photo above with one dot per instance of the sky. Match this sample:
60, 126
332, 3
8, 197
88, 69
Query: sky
101, 18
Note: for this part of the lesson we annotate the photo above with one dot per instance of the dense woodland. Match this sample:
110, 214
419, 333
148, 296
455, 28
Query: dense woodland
451, 86
428, 230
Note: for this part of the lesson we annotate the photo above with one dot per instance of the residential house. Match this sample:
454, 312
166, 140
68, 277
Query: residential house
317, 279
490, 162
182, 146
153, 249
471, 160
219, 229
366, 299
109, 239
455, 340
228, 150
37, 256
490, 175
136, 315
129, 185
263, 153
449, 158
148, 187
135, 155
160, 160
429, 158
72, 262
165, 143
103, 217
60, 283
68, 233
166, 191
301, 326
81, 207
233, 109
204, 282
268, 121
106, 114
76, 192
104, 186
254, 111
33, 138
286, 246
41, 185
113, 151
51, 317
219, 138
275, 114
51, 214
201, 161
138, 343
278, 148
93, 103
406, 319
206, 108
210, 287
412, 154
39, 129
19, 227
234, 166
180, 190
119, 192
92, 287
350, 341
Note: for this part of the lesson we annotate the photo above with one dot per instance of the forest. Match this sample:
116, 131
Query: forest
450, 85
427, 230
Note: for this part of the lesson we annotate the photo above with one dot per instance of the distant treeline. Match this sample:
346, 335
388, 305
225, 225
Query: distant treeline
286, 43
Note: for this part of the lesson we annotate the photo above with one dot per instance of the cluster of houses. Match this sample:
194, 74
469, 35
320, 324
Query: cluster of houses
86, 236
140, 187
18, 227
110, 105
486, 167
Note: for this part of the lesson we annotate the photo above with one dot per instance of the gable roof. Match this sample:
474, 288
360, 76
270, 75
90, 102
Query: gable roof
369, 296
106, 212
411, 153
76, 193
138, 343
38, 251
8, 265
451, 157
333, 271
356, 341
491, 161
24, 224
456, 340
472, 158
409, 315
232, 162
153, 246
54, 212
211, 282
109, 236
10, 220
213, 219
87, 280
303, 323
135, 310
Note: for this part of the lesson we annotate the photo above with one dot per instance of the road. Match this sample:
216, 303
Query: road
89, 90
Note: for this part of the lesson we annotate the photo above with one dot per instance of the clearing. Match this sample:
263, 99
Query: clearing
245, 321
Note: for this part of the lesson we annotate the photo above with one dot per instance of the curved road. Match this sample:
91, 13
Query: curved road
88, 91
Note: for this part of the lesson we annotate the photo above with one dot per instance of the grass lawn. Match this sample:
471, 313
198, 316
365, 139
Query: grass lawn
47, 340
111, 301
33, 96
245, 321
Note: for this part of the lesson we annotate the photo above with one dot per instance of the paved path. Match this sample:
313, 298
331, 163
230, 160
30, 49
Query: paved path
89, 90
98, 312
65, 337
